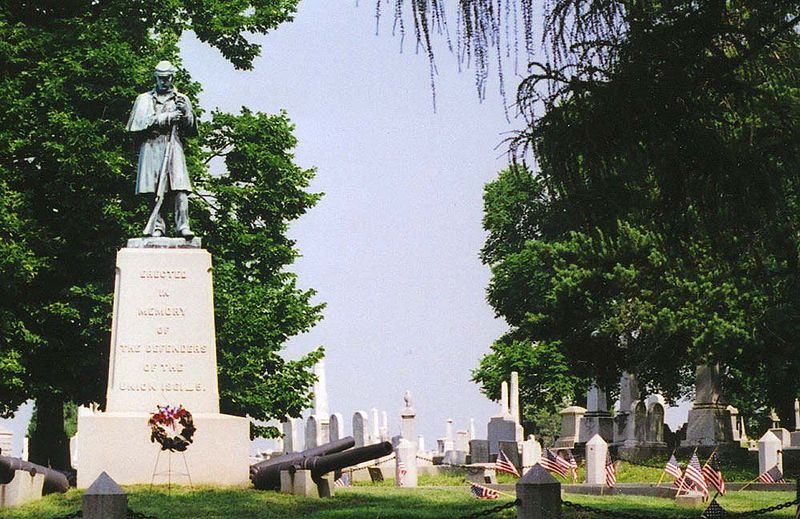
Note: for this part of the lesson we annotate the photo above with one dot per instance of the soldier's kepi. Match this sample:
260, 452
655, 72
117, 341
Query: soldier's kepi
162, 118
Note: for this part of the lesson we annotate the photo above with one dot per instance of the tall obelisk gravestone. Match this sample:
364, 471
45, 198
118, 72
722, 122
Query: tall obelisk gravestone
163, 351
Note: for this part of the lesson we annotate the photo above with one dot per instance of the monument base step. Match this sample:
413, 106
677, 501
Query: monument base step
119, 444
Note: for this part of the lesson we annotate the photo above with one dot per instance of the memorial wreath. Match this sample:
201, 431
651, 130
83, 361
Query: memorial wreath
167, 416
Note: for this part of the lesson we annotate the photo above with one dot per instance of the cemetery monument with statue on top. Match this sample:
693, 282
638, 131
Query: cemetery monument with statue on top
163, 347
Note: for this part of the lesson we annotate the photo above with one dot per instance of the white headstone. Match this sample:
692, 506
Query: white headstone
312, 433
406, 464
513, 402
462, 441
421, 443
472, 429
449, 430
292, 441
596, 452
531, 452
384, 430
504, 399
361, 429
375, 433
769, 452
336, 426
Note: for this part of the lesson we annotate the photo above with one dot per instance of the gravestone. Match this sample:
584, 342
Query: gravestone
795, 436
104, 499
570, 426
511, 450
406, 450
597, 419
291, 436
513, 405
640, 422
624, 427
769, 453
709, 420
462, 441
375, 429
782, 434
479, 451
163, 352
420, 443
361, 428
336, 426
531, 452
312, 433
654, 436
596, 453
502, 426
539, 494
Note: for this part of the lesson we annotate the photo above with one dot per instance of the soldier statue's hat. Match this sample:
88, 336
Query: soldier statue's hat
165, 68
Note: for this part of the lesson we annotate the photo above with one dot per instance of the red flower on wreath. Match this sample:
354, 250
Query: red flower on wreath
167, 416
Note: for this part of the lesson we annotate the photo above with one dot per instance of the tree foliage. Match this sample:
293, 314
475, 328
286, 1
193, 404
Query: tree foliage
660, 229
70, 72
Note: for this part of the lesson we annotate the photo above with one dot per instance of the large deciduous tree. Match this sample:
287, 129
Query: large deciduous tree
661, 230
69, 74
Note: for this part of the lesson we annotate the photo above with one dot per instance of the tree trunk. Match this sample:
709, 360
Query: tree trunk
49, 445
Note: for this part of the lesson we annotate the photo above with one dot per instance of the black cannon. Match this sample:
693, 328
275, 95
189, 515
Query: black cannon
287, 460
54, 481
268, 475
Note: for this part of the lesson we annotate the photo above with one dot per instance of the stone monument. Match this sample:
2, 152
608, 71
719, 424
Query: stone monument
709, 420
597, 419
502, 426
406, 451
6, 441
795, 436
163, 351
570, 426
163, 345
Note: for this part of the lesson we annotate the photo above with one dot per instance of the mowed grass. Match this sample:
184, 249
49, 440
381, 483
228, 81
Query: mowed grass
384, 502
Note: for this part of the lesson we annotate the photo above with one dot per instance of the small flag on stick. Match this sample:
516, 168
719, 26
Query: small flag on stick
554, 463
713, 474
611, 471
343, 481
482, 492
673, 469
694, 475
503, 464
773, 475
401, 473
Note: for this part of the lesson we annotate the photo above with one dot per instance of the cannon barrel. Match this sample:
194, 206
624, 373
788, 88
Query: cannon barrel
320, 465
273, 466
54, 481
269, 476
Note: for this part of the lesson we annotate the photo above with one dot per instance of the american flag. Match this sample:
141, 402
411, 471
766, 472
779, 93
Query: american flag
773, 475
714, 511
611, 471
343, 481
482, 492
573, 466
673, 469
694, 475
503, 464
713, 474
401, 473
554, 463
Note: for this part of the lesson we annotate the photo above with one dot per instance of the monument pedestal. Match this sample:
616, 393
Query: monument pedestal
163, 352
120, 445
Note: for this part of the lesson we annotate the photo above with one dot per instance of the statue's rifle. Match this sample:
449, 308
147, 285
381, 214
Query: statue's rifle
162, 184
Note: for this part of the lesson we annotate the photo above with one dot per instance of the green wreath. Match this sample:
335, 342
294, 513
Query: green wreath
167, 416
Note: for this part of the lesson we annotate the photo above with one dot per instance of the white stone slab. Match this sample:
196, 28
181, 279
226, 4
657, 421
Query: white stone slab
163, 348
120, 445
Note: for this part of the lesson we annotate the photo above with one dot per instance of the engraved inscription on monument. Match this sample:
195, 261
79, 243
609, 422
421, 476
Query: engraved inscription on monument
162, 343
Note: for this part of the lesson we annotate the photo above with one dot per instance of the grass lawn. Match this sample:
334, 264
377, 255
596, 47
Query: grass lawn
384, 502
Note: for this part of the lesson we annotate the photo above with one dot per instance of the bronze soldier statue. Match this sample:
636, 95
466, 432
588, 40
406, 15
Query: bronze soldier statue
162, 118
